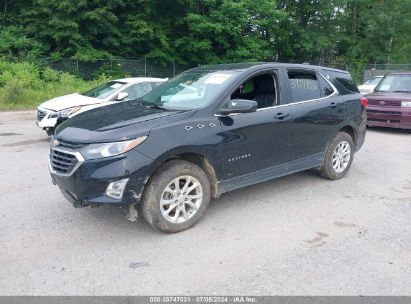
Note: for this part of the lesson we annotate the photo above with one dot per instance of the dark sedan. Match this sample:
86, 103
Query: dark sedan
390, 103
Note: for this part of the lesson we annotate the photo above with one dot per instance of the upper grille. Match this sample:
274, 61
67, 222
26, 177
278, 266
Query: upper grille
62, 162
40, 115
70, 145
386, 103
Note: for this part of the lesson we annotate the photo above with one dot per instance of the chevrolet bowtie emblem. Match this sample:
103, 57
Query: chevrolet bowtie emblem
55, 143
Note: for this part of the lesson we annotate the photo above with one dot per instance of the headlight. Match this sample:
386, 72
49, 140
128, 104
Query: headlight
406, 104
94, 151
65, 113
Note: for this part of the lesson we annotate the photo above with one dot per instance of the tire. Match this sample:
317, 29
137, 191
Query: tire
166, 189
336, 162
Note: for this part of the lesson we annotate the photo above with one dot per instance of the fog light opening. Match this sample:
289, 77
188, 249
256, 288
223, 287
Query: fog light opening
115, 189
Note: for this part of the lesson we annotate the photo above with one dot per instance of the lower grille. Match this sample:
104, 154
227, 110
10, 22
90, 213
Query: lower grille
41, 115
384, 112
62, 162
384, 120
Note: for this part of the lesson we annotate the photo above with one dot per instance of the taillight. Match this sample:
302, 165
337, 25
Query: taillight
364, 102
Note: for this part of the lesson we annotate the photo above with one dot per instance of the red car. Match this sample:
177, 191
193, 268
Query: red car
390, 103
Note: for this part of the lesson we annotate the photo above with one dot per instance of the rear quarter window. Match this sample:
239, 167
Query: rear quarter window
343, 81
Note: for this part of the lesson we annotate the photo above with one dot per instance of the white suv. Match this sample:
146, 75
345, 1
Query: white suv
53, 112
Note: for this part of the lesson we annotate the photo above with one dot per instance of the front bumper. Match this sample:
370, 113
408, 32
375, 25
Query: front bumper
87, 183
392, 117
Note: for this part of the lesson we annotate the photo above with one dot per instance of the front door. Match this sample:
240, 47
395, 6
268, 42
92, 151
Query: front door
259, 140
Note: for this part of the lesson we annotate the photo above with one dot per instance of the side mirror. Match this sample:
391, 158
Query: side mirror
239, 106
122, 96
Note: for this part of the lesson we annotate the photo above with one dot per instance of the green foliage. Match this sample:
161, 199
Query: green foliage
196, 32
15, 43
112, 70
340, 33
26, 85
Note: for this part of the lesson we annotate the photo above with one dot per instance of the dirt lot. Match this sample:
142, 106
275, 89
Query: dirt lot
296, 235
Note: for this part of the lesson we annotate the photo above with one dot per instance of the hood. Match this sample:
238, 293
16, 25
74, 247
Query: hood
69, 101
116, 122
387, 96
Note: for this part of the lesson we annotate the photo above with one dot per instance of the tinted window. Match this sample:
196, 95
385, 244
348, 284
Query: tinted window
325, 87
138, 90
261, 88
304, 86
344, 81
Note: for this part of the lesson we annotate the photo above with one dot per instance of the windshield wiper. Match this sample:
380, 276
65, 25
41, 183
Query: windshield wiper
155, 106
401, 91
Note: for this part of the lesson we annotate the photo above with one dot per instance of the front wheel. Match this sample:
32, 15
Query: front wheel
338, 156
176, 197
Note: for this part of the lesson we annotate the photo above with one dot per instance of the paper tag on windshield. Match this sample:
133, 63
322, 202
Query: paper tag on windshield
116, 85
217, 78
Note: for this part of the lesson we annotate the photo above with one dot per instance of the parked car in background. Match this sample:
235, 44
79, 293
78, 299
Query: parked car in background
390, 103
369, 85
53, 112
208, 131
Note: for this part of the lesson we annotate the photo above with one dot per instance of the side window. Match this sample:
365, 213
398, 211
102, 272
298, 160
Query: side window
304, 85
261, 88
138, 90
344, 80
325, 87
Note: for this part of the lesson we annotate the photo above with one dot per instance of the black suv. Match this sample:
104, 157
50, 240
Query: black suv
207, 131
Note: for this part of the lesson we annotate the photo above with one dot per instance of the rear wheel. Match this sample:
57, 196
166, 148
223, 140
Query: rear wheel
338, 156
176, 197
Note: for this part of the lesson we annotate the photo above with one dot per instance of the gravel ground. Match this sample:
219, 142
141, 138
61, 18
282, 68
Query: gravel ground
296, 235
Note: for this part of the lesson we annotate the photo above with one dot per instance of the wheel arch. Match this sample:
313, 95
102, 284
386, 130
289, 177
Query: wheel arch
197, 159
350, 130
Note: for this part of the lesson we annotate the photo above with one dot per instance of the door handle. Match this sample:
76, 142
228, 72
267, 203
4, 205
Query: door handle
281, 116
333, 105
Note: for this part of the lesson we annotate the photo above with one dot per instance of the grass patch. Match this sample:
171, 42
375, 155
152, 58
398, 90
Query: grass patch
25, 85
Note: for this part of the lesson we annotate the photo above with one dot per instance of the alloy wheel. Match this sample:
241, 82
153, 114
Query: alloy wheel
341, 156
181, 199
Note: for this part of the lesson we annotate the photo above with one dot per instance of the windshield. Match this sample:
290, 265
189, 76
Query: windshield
395, 83
105, 90
373, 81
190, 90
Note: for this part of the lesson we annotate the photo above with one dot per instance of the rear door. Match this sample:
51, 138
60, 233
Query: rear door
316, 108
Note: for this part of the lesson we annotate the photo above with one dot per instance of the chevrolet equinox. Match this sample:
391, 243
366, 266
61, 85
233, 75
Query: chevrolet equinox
205, 132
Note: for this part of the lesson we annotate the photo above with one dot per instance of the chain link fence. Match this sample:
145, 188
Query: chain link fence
116, 68
372, 70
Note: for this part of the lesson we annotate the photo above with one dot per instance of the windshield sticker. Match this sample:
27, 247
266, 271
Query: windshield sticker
217, 78
116, 85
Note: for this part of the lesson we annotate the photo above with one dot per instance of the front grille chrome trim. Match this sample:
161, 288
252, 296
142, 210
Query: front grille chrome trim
80, 160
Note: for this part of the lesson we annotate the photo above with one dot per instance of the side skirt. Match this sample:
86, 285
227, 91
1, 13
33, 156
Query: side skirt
294, 166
